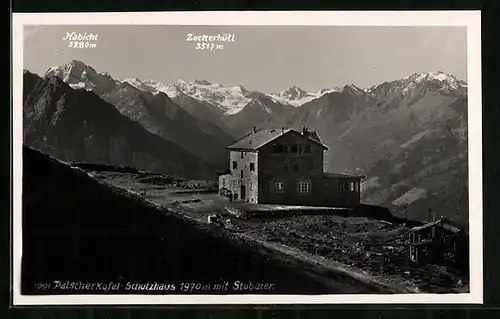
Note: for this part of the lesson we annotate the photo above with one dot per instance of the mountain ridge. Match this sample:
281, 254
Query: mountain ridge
293, 96
77, 125
154, 110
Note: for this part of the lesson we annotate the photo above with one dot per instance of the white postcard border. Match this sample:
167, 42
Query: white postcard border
470, 19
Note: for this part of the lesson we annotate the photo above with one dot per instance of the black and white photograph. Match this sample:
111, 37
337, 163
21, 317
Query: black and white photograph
222, 158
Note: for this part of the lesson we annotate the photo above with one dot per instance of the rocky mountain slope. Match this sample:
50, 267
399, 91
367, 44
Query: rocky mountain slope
261, 111
153, 109
77, 125
409, 137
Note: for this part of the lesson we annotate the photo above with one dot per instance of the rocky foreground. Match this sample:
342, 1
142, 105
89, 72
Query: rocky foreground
371, 248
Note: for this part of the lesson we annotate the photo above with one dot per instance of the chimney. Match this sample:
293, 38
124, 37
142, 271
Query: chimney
432, 216
282, 130
255, 129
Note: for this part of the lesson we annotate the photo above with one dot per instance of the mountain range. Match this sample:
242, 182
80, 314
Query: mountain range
407, 136
155, 111
79, 126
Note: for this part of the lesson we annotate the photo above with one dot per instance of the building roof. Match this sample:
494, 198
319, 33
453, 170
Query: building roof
260, 137
339, 175
444, 224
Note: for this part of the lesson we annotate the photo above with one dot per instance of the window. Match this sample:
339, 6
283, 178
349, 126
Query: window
307, 148
235, 165
303, 187
241, 173
223, 182
242, 154
280, 186
351, 186
251, 186
294, 148
300, 148
252, 167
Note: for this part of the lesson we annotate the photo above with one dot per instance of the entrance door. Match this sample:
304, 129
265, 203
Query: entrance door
243, 192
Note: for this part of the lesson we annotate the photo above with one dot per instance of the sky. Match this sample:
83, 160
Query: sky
264, 58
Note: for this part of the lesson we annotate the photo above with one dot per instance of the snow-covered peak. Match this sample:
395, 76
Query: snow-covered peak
324, 91
446, 80
169, 89
293, 93
81, 76
141, 85
137, 83
231, 99
296, 96
407, 86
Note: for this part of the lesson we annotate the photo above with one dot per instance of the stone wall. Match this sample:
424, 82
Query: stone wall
301, 166
245, 174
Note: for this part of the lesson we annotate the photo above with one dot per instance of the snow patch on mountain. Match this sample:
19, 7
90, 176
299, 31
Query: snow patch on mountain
417, 137
264, 107
296, 96
169, 89
445, 79
415, 85
81, 76
231, 99
138, 84
410, 196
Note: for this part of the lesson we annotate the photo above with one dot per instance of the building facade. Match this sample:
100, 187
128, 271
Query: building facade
439, 242
284, 166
